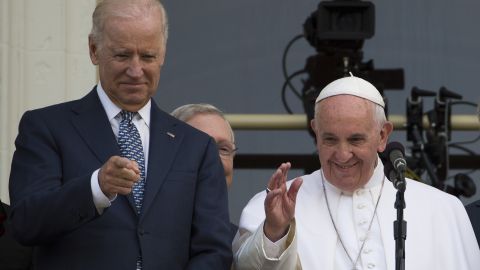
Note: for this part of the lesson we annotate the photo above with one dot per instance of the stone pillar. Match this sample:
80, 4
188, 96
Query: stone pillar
43, 60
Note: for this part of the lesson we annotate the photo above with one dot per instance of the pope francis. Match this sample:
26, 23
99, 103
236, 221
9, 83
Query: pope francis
341, 217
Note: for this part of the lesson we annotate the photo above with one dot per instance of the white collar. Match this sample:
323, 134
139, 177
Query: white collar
113, 110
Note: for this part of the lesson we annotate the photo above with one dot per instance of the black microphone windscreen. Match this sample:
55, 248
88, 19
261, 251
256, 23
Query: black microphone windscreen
395, 151
387, 170
394, 146
395, 169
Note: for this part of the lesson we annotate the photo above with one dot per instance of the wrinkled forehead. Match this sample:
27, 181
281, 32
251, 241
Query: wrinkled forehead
335, 111
344, 104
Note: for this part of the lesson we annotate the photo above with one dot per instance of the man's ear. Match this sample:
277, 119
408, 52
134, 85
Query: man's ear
163, 53
313, 126
93, 49
384, 134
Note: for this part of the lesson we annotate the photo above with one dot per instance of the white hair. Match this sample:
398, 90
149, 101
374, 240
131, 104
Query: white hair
188, 111
125, 9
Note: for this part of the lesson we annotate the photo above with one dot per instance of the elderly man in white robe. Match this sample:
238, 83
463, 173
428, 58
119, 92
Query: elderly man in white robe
341, 217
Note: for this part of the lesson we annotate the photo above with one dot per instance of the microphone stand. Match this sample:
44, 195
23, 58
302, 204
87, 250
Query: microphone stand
400, 225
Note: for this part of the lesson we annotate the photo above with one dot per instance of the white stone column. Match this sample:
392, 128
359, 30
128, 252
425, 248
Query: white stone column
43, 60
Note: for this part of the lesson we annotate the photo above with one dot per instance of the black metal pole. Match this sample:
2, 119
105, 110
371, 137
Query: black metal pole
400, 229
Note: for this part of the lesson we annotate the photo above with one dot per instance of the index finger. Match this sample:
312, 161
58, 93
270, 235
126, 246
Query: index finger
285, 167
125, 163
278, 178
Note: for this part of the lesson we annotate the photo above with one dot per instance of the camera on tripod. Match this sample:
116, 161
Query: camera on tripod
337, 30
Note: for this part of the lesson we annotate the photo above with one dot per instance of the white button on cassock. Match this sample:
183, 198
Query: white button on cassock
361, 206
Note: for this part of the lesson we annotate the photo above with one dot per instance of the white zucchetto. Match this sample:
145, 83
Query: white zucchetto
352, 86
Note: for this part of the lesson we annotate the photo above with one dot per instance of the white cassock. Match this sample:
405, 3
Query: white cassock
439, 233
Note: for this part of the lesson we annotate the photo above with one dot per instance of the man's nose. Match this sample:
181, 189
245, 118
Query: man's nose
344, 152
135, 68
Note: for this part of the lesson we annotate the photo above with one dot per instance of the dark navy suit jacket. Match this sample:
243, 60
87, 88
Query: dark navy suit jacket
13, 256
184, 222
473, 211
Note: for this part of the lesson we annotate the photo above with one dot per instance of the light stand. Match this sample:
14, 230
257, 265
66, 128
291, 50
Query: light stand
439, 134
415, 129
420, 145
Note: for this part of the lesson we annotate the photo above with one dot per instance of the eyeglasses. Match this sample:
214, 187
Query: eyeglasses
226, 149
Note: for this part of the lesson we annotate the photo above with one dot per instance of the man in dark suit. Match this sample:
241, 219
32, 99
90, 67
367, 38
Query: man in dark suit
82, 191
13, 256
211, 120
473, 211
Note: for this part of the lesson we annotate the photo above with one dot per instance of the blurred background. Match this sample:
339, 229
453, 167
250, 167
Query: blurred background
229, 53
236, 55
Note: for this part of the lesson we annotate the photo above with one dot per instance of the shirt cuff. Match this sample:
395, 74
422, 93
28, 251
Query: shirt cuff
99, 199
274, 250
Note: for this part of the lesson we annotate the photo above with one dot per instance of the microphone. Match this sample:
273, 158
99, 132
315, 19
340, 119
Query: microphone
395, 155
389, 171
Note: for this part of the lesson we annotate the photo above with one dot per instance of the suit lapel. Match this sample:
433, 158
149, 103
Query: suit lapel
164, 143
91, 122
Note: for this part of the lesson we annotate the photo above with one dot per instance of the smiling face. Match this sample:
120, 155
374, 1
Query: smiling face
130, 56
348, 139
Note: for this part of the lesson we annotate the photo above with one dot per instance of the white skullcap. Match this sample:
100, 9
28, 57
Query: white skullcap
352, 86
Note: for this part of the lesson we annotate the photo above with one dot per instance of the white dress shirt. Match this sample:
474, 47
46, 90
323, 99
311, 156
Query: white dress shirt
141, 122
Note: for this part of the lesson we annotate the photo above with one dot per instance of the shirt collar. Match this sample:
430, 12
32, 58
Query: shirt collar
113, 110
377, 176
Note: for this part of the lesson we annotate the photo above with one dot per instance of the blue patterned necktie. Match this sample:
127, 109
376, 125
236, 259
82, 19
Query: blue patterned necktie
131, 148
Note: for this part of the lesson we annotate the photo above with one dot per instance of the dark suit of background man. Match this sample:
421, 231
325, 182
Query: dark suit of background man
211, 120
13, 256
71, 191
473, 210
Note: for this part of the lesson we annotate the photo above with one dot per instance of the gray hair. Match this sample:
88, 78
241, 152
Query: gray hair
188, 111
379, 115
125, 9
